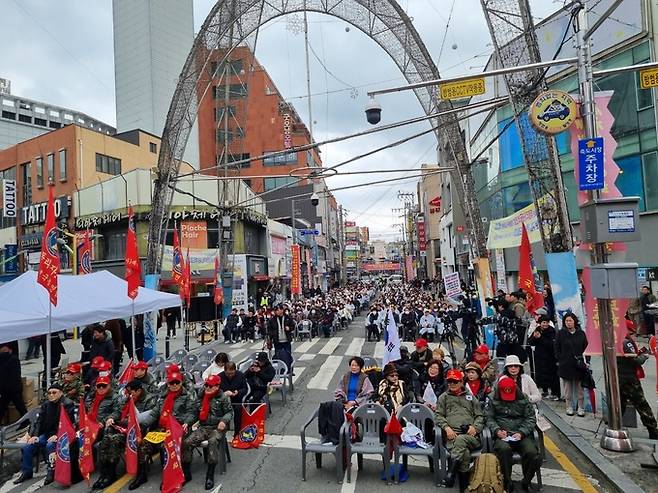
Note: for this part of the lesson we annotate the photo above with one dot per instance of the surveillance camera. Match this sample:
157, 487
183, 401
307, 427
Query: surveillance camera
373, 111
315, 199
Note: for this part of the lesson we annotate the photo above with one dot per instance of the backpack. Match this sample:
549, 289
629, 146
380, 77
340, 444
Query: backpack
486, 476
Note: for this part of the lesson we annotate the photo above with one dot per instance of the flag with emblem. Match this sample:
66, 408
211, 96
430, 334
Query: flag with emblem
218, 292
133, 438
252, 428
65, 436
89, 429
534, 297
188, 278
49, 265
178, 264
172, 473
391, 339
84, 254
133, 267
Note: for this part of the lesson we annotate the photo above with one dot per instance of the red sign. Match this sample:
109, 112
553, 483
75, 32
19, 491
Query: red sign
350, 224
435, 202
422, 241
460, 228
382, 266
296, 279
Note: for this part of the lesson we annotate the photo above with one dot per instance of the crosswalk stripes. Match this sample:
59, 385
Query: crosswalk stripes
298, 371
325, 374
379, 350
355, 347
331, 346
305, 347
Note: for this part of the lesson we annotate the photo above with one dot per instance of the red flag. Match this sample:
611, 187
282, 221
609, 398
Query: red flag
172, 474
88, 432
534, 299
133, 267
394, 431
178, 264
128, 374
65, 436
133, 438
252, 429
84, 254
188, 278
49, 264
219, 291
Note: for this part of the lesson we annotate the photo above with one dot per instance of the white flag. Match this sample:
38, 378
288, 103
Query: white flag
391, 339
429, 396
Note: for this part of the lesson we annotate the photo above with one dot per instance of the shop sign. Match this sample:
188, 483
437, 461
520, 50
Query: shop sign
287, 131
36, 213
648, 78
99, 220
463, 88
553, 111
422, 242
30, 241
194, 234
11, 252
350, 224
9, 198
278, 245
296, 277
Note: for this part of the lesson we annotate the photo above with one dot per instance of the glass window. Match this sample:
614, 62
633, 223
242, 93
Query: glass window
644, 96
271, 183
51, 168
220, 112
62, 164
650, 169
629, 181
26, 170
39, 164
234, 91
108, 164
516, 197
280, 159
571, 194
115, 245
153, 147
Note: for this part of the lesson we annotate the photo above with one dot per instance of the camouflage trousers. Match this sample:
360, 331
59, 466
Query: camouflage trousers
196, 438
460, 448
631, 391
111, 447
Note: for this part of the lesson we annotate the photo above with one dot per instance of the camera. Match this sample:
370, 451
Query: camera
373, 112
315, 199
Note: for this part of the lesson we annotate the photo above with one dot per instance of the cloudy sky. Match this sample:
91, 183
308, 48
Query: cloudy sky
61, 52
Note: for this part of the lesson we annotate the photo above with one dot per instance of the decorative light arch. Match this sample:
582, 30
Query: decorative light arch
229, 24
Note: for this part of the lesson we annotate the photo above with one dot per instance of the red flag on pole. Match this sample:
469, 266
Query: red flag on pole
133, 438
188, 278
252, 428
218, 291
49, 265
534, 299
133, 267
178, 264
84, 255
172, 474
65, 436
88, 432
128, 374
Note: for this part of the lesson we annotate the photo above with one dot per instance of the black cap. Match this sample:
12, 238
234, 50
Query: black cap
134, 385
262, 357
55, 386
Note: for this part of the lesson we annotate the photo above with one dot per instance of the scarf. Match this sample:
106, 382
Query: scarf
205, 405
168, 407
484, 363
474, 386
93, 412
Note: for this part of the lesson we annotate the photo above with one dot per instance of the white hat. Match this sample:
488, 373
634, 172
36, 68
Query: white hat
512, 360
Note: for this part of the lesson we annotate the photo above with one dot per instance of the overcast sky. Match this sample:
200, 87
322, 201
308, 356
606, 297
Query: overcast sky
61, 52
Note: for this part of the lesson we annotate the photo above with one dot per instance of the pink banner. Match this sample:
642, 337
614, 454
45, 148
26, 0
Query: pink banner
409, 264
604, 122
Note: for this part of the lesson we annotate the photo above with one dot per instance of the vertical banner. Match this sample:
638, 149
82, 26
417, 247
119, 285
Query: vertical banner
240, 287
566, 289
296, 278
452, 285
150, 322
604, 122
484, 282
422, 241
309, 268
501, 279
9, 198
409, 265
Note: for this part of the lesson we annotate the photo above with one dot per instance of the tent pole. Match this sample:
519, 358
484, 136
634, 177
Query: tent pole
132, 323
49, 350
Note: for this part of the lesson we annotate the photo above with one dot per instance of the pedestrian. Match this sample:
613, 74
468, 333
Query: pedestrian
392, 392
11, 383
647, 298
487, 365
56, 350
478, 388
259, 375
215, 415
172, 317
421, 356
101, 344
570, 344
116, 334
432, 377
34, 344
280, 330
543, 342
146, 379
232, 326
234, 385
630, 374
525, 383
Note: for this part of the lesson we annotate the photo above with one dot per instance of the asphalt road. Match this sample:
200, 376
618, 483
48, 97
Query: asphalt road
276, 466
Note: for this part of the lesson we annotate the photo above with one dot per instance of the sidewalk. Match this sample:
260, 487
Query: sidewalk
621, 468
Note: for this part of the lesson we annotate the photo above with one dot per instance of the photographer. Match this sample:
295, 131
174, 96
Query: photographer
510, 331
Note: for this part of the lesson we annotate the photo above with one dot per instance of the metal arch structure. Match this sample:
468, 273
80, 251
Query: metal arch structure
229, 24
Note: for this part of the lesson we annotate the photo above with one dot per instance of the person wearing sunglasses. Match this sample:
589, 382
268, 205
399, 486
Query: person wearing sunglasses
71, 382
215, 415
178, 402
43, 434
461, 418
511, 419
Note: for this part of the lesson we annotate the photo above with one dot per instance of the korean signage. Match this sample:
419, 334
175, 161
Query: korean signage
296, 278
194, 234
36, 213
452, 284
390, 266
95, 221
9, 198
462, 89
350, 224
11, 252
422, 242
590, 164
553, 111
239, 292
278, 245
287, 131
435, 205
30, 241
649, 78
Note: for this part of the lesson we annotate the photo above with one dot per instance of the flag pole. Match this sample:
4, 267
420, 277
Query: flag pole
49, 349
132, 323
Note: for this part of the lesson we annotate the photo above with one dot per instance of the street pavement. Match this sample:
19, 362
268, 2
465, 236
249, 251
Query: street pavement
276, 466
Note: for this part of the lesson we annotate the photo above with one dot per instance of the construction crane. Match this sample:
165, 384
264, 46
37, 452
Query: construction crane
515, 43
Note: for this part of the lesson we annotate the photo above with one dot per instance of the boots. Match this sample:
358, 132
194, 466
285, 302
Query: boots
140, 479
463, 480
210, 477
187, 471
50, 471
107, 477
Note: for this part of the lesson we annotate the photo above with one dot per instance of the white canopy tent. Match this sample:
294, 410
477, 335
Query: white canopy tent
82, 300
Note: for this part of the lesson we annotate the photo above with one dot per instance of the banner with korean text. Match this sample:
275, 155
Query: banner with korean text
296, 277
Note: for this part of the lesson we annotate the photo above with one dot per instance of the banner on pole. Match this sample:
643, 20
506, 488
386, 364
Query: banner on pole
452, 284
501, 279
296, 278
150, 322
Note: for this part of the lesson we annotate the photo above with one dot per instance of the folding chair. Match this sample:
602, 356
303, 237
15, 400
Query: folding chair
370, 420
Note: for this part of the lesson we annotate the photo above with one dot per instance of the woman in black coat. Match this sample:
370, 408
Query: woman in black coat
543, 340
570, 344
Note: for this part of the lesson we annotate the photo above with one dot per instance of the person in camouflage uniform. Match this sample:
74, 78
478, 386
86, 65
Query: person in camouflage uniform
177, 402
630, 388
71, 382
145, 378
113, 444
215, 414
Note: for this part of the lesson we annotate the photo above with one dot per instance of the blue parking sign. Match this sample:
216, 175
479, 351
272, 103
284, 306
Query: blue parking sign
591, 164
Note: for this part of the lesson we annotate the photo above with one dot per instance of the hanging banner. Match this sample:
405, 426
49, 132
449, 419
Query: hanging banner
501, 279
565, 286
296, 278
604, 122
9, 198
506, 232
309, 268
239, 291
422, 242
452, 285
409, 265
150, 321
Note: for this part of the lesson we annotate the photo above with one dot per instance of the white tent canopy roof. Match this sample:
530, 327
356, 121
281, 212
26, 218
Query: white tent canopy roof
82, 300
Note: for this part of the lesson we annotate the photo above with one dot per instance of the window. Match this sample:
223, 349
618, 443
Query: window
220, 112
629, 182
223, 137
280, 159
235, 68
271, 183
239, 157
55, 125
62, 164
26, 172
650, 168
51, 168
39, 172
153, 147
115, 248
108, 164
234, 91
24, 118
9, 114
40, 121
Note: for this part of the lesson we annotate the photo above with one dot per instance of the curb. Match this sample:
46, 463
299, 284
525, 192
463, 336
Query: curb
616, 476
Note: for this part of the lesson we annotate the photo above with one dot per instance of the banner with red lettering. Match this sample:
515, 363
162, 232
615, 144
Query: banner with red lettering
218, 292
172, 474
133, 267
177, 265
84, 252
534, 299
65, 436
133, 438
49, 265
252, 428
296, 275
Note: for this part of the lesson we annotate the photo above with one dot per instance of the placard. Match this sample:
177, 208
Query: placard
452, 284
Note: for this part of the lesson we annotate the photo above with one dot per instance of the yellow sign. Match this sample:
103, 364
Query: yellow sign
462, 89
553, 112
156, 436
649, 78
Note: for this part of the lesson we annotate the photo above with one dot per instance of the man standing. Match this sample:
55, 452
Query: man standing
646, 299
215, 415
280, 330
44, 433
460, 416
101, 345
11, 383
